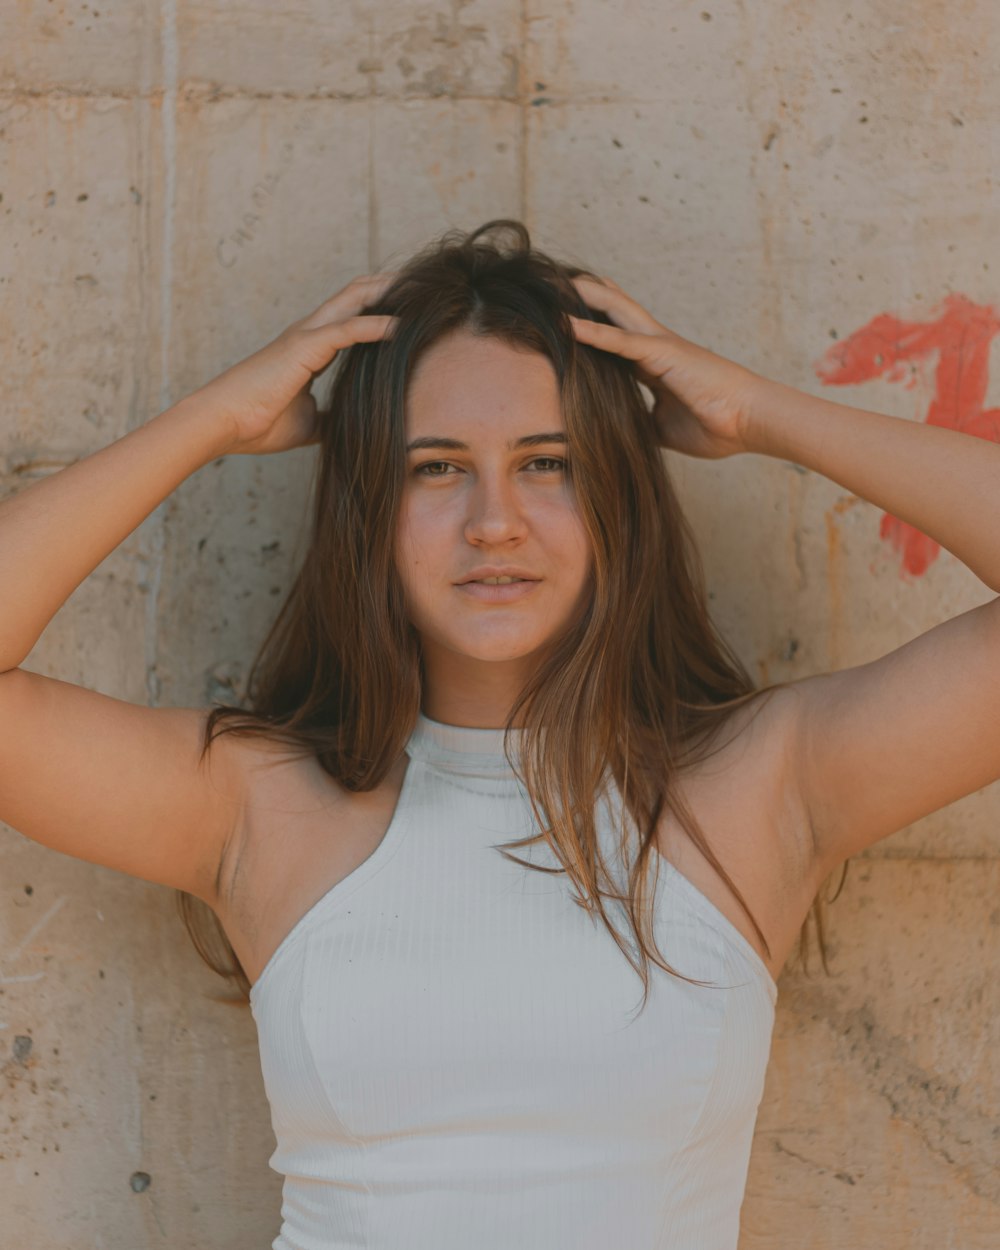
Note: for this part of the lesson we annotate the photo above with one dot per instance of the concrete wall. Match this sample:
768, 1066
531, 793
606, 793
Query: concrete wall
179, 181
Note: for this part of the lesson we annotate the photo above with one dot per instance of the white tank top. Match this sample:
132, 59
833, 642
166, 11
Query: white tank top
452, 1050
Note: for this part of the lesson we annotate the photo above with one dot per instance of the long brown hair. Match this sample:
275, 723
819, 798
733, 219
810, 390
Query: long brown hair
639, 686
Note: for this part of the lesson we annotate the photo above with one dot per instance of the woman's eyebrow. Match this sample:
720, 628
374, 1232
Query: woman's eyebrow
435, 441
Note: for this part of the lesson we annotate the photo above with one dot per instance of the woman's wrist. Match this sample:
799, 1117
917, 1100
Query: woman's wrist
776, 418
208, 433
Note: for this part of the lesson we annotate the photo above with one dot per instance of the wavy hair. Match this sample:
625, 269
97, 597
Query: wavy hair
638, 687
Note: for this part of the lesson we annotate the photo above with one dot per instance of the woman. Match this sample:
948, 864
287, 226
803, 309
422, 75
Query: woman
446, 1031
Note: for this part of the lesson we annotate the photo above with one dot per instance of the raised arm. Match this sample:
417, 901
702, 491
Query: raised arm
880, 745
92, 776
872, 748
56, 531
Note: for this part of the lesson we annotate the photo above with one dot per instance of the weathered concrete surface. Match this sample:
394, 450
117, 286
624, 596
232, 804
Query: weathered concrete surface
879, 1119
80, 268
72, 47
384, 47
121, 1058
180, 180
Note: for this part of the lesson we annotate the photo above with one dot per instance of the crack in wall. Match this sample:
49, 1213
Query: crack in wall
190, 92
962, 1136
168, 122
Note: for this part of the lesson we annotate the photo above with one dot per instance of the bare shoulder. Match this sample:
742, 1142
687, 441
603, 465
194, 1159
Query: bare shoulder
300, 831
744, 795
278, 786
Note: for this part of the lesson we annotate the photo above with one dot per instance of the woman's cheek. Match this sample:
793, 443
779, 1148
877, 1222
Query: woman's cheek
561, 521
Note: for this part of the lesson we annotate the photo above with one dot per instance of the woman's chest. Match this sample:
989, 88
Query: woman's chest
306, 837
450, 990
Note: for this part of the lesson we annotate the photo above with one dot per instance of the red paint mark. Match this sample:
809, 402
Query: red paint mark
888, 347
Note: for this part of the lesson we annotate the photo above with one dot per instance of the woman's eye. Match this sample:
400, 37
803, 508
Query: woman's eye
557, 461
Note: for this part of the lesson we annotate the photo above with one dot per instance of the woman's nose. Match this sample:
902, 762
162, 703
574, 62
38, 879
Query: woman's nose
494, 510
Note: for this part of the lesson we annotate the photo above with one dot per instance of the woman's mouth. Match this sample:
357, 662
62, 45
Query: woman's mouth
503, 592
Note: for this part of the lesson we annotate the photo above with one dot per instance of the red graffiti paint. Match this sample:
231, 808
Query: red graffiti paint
888, 347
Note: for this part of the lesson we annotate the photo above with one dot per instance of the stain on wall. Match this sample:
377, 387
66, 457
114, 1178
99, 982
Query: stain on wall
957, 339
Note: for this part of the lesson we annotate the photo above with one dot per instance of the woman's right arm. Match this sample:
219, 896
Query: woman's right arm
95, 777
54, 533
98, 778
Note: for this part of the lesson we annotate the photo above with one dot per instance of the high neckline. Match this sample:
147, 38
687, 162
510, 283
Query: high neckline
464, 751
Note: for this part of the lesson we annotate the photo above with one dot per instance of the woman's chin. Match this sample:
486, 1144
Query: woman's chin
497, 649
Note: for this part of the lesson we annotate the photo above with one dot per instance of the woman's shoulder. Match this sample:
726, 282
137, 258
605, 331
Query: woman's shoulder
755, 736
300, 830
746, 800
287, 788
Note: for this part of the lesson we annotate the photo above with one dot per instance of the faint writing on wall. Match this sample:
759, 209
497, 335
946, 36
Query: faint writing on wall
255, 210
227, 250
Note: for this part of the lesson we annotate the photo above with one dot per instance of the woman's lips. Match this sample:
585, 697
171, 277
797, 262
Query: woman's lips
507, 592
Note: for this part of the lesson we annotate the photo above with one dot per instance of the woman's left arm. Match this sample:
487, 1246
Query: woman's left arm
942, 482
872, 748
879, 745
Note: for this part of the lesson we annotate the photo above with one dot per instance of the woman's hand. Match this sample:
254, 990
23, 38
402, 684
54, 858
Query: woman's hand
701, 400
264, 402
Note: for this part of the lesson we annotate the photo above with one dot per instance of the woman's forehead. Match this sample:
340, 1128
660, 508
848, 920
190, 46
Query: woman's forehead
477, 380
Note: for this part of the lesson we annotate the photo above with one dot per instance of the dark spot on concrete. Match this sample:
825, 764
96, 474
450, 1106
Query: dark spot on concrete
82, 196
790, 648
21, 1048
542, 99
618, 143
705, 17
50, 198
140, 1181
29, 889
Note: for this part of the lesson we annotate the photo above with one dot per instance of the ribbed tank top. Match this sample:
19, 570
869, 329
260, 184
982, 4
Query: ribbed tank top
452, 1049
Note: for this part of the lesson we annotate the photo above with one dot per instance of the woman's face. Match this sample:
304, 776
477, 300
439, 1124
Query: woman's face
477, 498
